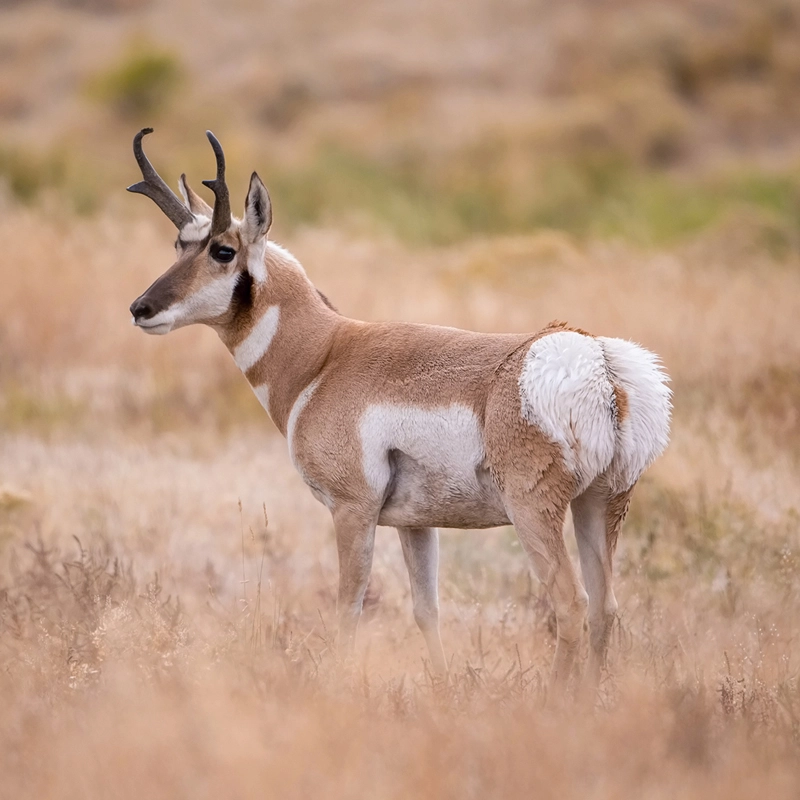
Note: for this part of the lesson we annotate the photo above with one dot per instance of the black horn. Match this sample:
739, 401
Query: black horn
154, 187
221, 220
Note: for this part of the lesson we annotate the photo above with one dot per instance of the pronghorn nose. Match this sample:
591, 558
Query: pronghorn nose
141, 308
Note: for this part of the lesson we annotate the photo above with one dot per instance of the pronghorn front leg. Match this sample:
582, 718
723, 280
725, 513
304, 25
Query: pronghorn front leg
421, 552
355, 538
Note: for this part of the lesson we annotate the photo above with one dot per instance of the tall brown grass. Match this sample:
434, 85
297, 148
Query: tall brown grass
159, 637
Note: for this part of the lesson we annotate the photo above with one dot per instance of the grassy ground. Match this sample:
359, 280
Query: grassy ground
160, 636
167, 582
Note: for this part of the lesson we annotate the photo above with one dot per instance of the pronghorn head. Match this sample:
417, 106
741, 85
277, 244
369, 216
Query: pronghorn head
219, 256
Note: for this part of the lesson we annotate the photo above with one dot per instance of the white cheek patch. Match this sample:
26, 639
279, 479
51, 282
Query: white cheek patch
250, 351
565, 391
444, 440
196, 230
208, 302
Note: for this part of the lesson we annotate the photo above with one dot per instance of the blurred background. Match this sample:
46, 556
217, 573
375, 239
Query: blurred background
430, 122
440, 161
167, 583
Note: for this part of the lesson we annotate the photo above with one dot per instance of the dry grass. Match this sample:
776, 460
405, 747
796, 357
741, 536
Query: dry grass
630, 167
159, 637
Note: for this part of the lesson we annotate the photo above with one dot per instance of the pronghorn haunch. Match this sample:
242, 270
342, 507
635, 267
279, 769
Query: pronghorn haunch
419, 426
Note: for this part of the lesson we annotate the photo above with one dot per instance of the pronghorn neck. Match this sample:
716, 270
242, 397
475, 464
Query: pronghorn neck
280, 335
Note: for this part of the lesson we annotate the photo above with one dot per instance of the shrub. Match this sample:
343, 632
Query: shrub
27, 173
140, 84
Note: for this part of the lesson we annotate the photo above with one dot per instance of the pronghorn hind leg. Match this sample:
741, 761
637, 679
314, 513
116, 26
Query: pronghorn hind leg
355, 539
421, 553
541, 534
598, 515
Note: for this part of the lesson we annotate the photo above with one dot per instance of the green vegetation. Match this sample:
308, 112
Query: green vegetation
673, 532
594, 195
27, 173
24, 408
488, 190
141, 84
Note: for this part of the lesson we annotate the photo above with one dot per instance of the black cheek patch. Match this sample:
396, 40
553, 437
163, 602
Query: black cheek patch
243, 292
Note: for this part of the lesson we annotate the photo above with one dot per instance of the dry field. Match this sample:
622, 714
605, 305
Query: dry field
167, 582
160, 639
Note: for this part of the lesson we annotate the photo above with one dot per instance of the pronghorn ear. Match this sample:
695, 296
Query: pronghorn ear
257, 211
196, 204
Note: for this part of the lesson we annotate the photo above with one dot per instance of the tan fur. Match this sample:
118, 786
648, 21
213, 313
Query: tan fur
306, 343
620, 403
555, 326
182, 278
193, 269
321, 375
354, 364
616, 513
538, 488
511, 441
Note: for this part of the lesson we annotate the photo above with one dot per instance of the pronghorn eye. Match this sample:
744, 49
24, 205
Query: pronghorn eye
222, 253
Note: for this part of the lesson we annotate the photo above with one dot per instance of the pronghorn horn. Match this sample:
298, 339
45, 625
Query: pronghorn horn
221, 220
154, 187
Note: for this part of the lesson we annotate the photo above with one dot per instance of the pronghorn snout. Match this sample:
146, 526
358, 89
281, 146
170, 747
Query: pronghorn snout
149, 317
141, 309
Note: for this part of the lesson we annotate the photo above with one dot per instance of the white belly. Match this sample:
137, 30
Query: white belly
428, 467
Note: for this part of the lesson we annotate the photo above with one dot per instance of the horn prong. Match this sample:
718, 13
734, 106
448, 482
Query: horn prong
153, 186
221, 219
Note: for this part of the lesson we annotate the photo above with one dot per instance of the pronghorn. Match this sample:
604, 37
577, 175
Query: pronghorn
419, 426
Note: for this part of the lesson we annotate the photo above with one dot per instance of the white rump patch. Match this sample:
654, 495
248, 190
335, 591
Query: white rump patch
445, 440
644, 433
565, 391
257, 342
